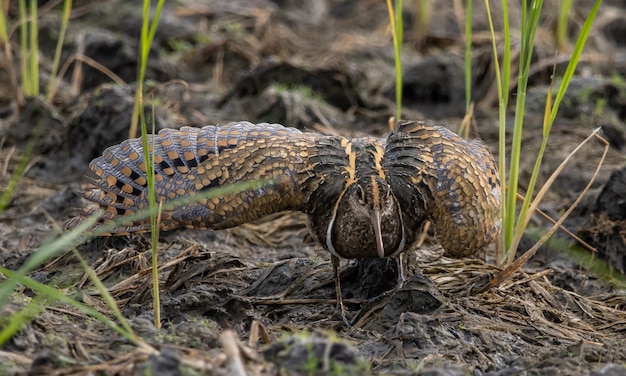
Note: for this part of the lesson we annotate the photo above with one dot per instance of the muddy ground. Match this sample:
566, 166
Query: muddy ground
261, 297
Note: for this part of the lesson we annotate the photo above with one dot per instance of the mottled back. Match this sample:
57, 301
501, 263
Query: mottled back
456, 180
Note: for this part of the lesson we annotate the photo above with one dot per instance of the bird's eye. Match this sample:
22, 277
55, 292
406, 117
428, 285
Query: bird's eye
360, 193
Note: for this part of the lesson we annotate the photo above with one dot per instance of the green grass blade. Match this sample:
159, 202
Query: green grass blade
70, 240
503, 105
549, 117
51, 292
530, 21
503, 94
524, 218
67, 10
104, 293
46, 252
506, 59
154, 24
573, 62
149, 158
4, 36
16, 321
398, 58
565, 7
18, 173
34, 49
468, 55
171, 205
395, 21
154, 225
24, 48
77, 235
148, 31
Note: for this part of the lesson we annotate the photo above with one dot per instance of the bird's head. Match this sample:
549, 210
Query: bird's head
371, 203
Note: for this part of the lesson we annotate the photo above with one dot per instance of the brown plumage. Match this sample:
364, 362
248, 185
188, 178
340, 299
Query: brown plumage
365, 197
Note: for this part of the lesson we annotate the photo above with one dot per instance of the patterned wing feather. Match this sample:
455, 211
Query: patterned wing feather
456, 181
190, 163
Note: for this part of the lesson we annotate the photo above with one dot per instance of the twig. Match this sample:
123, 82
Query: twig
562, 228
273, 301
228, 340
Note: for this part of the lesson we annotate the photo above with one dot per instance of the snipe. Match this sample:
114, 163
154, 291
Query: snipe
365, 197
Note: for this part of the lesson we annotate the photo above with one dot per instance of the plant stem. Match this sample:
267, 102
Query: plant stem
468, 55
530, 22
67, 9
34, 49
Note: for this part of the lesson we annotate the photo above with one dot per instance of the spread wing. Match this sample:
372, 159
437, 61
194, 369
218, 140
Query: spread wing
456, 181
282, 167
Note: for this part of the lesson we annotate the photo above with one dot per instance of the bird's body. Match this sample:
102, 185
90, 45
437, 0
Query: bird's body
420, 172
365, 197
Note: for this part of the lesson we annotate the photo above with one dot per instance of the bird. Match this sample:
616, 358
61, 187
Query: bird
365, 197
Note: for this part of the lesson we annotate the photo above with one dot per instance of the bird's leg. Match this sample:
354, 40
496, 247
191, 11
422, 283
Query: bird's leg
401, 278
400, 266
335, 260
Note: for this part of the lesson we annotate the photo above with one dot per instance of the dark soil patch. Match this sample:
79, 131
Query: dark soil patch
261, 297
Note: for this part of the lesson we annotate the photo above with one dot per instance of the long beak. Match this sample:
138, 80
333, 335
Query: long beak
378, 233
